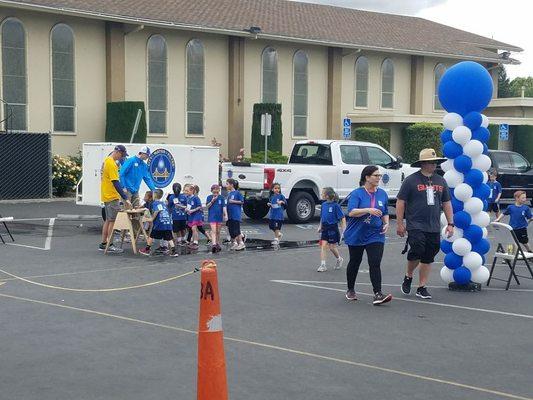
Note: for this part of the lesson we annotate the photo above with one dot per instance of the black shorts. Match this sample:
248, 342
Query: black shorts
234, 228
330, 234
493, 207
423, 246
275, 224
179, 225
165, 235
521, 235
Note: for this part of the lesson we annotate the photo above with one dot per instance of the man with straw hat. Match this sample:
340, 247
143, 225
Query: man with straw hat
421, 198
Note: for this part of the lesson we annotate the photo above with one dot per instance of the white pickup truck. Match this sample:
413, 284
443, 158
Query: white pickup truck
313, 165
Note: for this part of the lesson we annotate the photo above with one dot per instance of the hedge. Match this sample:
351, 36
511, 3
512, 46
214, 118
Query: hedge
523, 141
494, 130
120, 120
420, 136
273, 157
373, 134
275, 141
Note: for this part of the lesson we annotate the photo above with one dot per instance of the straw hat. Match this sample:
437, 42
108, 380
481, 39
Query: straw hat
428, 155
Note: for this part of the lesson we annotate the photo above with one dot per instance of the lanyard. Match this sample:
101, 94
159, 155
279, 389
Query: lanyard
372, 198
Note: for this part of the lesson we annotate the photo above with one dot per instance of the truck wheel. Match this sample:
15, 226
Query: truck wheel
301, 207
255, 209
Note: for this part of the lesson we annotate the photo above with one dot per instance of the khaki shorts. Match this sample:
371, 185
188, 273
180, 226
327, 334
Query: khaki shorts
111, 210
134, 199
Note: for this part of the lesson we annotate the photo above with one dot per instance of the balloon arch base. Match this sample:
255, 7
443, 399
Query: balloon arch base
465, 287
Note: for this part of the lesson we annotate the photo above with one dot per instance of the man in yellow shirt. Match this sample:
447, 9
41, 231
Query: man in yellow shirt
111, 192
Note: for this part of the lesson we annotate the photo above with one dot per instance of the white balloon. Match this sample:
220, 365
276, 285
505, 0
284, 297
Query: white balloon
463, 192
443, 220
485, 233
485, 177
473, 205
484, 121
461, 247
473, 148
446, 274
457, 234
481, 162
452, 121
481, 219
453, 178
472, 261
447, 165
462, 135
480, 275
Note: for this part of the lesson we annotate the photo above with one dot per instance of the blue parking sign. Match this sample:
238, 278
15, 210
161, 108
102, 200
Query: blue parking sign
504, 132
347, 122
346, 133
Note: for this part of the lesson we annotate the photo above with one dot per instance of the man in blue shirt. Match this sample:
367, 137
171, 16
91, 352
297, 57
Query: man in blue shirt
133, 171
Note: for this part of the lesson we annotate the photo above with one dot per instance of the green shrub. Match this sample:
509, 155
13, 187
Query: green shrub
275, 140
373, 134
273, 157
494, 130
523, 141
66, 172
120, 120
420, 136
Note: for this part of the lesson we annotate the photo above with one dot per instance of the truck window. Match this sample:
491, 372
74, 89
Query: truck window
311, 153
377, 156
351, 155
502, 160
519, 162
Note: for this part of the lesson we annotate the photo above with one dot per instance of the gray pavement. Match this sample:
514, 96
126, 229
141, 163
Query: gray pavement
289, 331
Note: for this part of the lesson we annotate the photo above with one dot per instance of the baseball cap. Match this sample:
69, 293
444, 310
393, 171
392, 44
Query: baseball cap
145, 150
122, 149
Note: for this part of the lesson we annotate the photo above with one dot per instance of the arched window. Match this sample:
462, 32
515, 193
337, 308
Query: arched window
14, 80
157, 85
387, 84
300, 93
269, 64
440, 69
63, 83
361, 82
195, 87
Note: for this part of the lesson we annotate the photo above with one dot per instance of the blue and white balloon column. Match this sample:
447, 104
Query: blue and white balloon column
464, 91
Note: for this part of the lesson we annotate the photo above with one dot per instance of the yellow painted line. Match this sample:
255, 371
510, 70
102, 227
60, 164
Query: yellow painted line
283, 349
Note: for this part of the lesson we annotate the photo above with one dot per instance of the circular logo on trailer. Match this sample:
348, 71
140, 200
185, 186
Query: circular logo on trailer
162, 167
230, 173
385, 178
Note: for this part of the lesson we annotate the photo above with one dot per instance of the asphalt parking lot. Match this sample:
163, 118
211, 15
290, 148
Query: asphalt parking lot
87, 326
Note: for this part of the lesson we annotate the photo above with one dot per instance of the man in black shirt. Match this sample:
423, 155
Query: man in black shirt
421, 198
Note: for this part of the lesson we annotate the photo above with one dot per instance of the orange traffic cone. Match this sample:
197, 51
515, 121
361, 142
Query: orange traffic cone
212, 384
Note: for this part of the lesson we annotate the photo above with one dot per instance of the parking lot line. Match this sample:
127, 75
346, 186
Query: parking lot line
279, 348
430, 303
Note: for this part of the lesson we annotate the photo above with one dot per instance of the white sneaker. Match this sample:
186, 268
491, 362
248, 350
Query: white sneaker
338, 263
234, 246
275, 242
280, 236
322, 268
240, 246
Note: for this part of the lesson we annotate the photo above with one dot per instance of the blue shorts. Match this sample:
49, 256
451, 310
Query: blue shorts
330, 234
275, 224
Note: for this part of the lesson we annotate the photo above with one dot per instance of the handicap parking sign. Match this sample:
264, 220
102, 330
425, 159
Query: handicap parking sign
346, 133
347, 122
504, 132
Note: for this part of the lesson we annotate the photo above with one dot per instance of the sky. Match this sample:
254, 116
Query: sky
502, 20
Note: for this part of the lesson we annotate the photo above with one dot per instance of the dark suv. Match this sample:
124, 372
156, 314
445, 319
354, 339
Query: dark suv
514, 173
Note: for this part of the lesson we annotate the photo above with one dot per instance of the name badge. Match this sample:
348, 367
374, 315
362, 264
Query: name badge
430, 194
490, 195
176, 201
189, 206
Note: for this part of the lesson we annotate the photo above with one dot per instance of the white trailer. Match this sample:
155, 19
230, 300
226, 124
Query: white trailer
168, 163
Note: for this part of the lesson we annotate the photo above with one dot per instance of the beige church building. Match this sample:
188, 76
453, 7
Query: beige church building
200, 66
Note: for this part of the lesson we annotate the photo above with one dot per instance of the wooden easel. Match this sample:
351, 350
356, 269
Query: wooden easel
128, 221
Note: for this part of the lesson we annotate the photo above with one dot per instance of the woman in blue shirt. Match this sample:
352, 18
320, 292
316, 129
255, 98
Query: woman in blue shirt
368, 221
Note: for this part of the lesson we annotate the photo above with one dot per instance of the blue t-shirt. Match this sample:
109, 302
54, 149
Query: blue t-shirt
495, 190
367, 228
178, 214
216, 211
276, 210
163, 221
235, 210
519, 215
194, 202
331, 213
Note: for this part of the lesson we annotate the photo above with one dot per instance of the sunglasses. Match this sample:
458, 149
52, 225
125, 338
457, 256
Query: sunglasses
377, 175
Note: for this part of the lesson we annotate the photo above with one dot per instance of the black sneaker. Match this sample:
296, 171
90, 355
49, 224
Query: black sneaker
102, 246
350, 295
379, 298
173, 252
423, 293
406, 285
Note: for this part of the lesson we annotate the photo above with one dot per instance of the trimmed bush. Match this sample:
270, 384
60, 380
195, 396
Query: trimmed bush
275, 140
373, 134
273, 157
66, 173
523, 141
120, 120
420, 136
494, 130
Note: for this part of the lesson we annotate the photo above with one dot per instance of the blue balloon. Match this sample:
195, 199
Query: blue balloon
473, 233
481, 247
462, 275
457, 205
485, 149
452, 260
446, 246
446, 136
463, 164
465, 87
481, 134
474, 177
452, 149
452, 192
472, 120
462, 219
481, 191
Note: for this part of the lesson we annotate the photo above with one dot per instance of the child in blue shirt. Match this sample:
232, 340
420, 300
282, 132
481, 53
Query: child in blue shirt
495, 194
276, 203
217, 213
177, 204
162, 225
195, 213
330, 216
234, 206
520, 217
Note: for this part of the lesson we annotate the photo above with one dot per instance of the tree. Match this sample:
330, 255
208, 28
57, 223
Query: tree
504, 86
516, 86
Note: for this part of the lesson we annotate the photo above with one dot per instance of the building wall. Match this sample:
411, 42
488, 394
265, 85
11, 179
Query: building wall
89, 36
